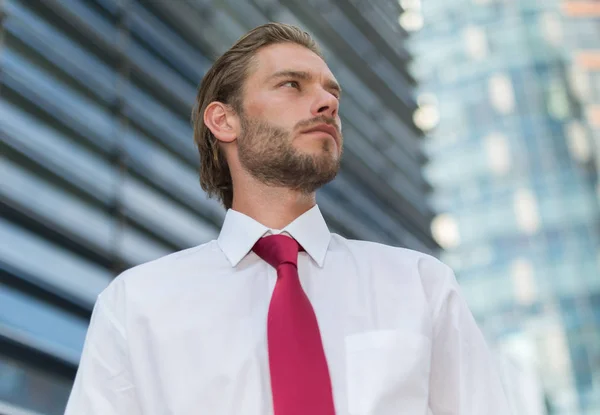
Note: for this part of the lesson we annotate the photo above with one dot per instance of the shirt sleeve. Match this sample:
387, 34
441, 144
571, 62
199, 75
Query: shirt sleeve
464, 379
103, 384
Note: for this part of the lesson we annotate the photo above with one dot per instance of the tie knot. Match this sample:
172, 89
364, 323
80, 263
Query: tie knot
277, 250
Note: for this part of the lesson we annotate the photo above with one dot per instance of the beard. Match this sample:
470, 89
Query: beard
266, 152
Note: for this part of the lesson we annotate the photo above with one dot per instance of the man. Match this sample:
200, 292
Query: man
279, 315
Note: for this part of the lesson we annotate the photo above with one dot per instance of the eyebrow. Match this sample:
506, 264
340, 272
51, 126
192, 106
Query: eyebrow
305, 76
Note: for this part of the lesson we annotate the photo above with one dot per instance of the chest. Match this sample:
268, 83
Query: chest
209, 349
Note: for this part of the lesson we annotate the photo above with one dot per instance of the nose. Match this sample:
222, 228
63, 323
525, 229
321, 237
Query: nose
325, 104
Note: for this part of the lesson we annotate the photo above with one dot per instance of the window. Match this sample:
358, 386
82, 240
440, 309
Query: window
557, 100
526, 210
475, 41
523, 279
26, 387
501, 93
551, 27
56, 269
498, 153
579, 81
445, 231
578, 142
34, 323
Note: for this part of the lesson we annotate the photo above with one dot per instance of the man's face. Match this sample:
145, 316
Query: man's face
291, 130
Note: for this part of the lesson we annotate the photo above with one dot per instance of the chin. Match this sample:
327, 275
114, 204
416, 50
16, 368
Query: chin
322, 148
325, 156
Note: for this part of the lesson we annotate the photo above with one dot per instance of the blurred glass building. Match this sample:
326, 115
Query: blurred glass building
99, 171
513, 160
582, 19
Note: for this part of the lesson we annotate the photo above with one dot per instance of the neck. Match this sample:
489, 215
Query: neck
274, 207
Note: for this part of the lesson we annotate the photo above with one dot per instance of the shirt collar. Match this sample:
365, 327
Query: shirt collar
239, 233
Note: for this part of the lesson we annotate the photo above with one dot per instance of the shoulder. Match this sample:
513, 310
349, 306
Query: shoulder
396, 272
395, 262
174, 264
164, 273
378, 252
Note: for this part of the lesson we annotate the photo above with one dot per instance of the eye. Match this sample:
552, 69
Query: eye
293, 84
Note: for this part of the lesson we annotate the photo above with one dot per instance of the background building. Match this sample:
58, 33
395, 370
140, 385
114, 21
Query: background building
511, 109
582, 19
99, 170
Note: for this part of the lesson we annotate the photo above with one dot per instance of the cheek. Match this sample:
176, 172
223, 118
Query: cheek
285, 116
277, 115
278, 110
257, 105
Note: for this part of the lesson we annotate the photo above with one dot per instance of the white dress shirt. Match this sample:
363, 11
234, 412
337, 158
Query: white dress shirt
186, 334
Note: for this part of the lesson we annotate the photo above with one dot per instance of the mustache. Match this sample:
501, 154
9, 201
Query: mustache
321, 119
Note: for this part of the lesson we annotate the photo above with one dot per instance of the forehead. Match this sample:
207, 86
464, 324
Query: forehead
289, 56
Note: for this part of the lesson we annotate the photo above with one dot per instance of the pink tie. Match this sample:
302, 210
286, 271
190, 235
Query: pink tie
299, 374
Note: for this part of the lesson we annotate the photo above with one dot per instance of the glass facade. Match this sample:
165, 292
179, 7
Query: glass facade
582, 19
99, 170
513, 166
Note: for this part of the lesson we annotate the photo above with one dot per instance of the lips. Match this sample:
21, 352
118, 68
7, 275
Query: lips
324, 128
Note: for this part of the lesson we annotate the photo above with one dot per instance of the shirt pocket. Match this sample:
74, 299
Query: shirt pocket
387, 372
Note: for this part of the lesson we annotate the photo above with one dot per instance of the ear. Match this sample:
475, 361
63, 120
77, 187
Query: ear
222, 121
